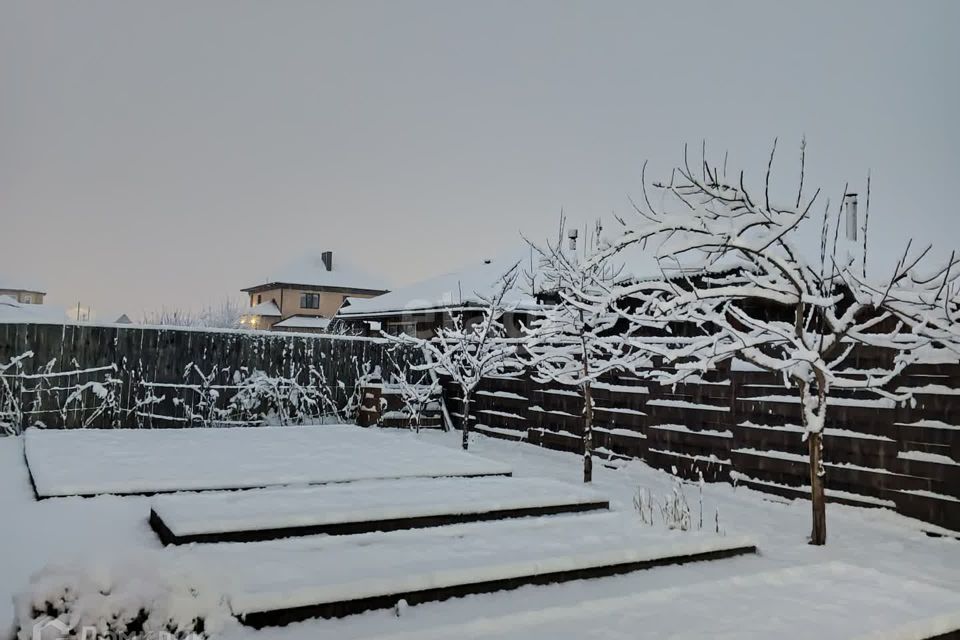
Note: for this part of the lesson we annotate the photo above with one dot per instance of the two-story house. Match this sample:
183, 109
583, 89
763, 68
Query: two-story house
305, 294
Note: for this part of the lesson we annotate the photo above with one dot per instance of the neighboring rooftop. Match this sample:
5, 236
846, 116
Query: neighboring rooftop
13, 311
268, 309
453, 290
303, 322
466, 288
322, 270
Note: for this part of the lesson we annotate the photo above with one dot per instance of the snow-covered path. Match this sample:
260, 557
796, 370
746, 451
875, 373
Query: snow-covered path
34, 534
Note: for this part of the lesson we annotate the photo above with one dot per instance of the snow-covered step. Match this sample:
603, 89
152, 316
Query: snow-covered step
359, 507
829, 601
87, 462
271, 583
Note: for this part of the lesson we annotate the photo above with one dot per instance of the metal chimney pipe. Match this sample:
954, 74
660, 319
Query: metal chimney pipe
572, 234
850, 205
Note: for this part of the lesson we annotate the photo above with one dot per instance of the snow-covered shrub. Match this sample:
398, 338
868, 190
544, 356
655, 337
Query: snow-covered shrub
643, 503
262, 398
675, 511
134, 601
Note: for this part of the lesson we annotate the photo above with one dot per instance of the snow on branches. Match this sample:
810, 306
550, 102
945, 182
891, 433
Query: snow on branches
581, 335
472, 346
734, 278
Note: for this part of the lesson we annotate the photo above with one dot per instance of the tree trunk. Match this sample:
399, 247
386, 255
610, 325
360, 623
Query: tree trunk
587, 433
818, 498
465, 422
813, 409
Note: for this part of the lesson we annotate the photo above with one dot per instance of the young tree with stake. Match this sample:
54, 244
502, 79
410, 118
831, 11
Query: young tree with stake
732, 272
580, 337
471, 349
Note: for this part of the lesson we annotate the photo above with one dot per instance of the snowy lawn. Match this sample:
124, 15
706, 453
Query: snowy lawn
107, 528
753, 607
319, 570
365, 501
123, 461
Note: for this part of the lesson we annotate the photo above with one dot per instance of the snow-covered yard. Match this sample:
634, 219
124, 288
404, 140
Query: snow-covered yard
920, 574
124, 461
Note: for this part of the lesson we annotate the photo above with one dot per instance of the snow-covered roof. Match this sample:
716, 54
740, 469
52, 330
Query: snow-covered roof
303, 322
310, 270
13, 311
268, 308
465, 287
456, 289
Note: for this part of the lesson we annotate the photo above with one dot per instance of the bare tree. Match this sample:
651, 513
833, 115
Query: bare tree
224, 315
581, 336
417, 395
469, 349
732, 273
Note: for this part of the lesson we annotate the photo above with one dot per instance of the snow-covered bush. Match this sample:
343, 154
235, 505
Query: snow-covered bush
643, 503
279, 400
135, 601
675, 510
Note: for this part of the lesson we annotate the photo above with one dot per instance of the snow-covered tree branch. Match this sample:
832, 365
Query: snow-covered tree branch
470, 348
736, 282
581, 335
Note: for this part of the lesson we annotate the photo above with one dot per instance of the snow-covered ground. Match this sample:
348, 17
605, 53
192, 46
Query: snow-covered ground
316, 570
107, 528
361, 501
164, 460
758, 606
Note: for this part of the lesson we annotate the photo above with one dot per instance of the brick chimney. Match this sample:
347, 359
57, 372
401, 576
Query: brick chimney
327, 257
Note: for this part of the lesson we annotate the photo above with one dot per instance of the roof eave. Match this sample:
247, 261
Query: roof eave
313, 287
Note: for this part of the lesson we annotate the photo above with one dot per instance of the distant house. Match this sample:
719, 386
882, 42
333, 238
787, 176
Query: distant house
20, 293
305, 294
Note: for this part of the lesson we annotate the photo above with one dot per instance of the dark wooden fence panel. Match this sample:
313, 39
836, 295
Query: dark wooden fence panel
76, 375
746, 428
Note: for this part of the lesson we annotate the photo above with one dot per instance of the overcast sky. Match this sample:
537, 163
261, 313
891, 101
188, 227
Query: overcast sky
172, 153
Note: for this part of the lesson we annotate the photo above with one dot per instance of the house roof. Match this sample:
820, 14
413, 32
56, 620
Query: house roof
303, 322
309, 270
13, 311
466, 287
453, 290
268, 308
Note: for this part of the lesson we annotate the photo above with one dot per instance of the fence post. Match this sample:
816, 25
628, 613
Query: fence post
369, 413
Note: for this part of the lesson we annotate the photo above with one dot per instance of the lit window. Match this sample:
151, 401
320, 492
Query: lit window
309, 300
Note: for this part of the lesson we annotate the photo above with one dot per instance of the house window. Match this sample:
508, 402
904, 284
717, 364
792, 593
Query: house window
27, 298
259, 298
309, 300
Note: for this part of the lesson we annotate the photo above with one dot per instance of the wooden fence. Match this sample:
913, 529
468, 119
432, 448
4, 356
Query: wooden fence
745, 428
75, 375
